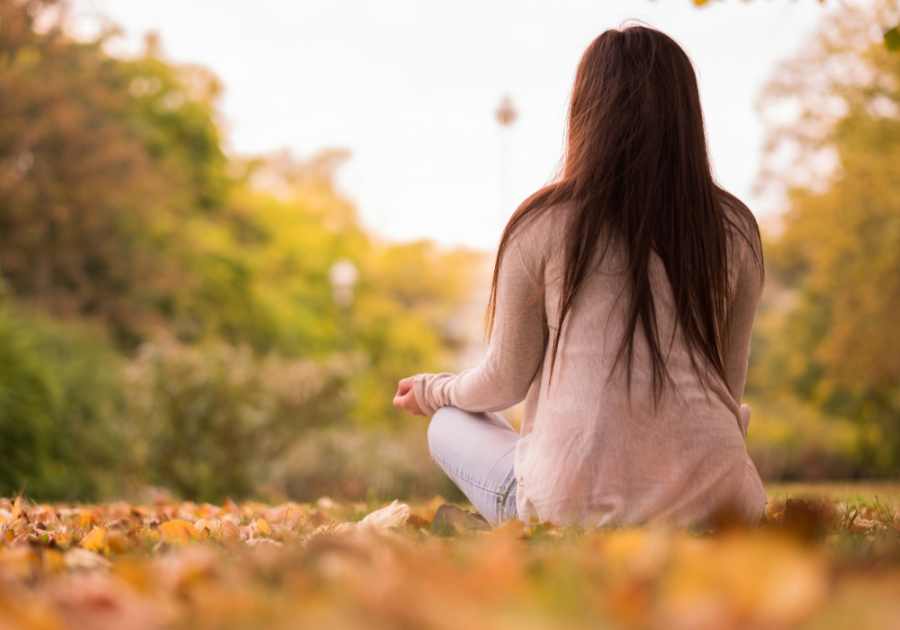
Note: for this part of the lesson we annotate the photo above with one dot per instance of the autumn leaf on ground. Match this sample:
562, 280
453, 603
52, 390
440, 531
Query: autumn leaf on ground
96, 541
263, 527
177, 532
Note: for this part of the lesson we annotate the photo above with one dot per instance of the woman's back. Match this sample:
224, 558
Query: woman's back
595, 449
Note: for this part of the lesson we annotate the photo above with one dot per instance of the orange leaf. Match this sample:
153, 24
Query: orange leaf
177, 531
263, 526
96, 541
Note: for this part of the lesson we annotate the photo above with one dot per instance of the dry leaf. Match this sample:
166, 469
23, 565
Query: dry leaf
177, 531
96, 541
394, 515
230, 530
209, 529
78, 558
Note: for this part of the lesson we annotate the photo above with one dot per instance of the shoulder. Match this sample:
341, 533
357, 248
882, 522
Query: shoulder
746, 268
541, 234
742, 228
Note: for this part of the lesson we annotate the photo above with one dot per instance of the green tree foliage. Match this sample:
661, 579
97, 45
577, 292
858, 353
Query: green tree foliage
118, 206
837, 257
99, 160
59, 405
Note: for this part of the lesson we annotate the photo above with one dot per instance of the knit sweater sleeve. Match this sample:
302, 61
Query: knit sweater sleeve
515, 351
742, 312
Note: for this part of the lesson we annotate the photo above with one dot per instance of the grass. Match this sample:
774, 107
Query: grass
863, 491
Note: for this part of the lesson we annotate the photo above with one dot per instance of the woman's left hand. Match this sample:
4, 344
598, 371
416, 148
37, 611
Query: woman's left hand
406, 397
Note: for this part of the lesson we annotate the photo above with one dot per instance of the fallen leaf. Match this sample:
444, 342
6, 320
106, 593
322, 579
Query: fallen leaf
209, 529
78, 558
177, 531
394, 515
19, 563
54, 561
230, 530
96, 541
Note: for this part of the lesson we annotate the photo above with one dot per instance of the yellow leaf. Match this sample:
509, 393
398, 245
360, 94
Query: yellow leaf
54, 561
96, 541
86, 518
177, 531
263, 526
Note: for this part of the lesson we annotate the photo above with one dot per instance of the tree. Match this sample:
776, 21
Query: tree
119, 208
100, 158
838, 159
891, 35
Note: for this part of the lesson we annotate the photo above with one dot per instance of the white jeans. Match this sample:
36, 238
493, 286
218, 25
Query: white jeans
477, 451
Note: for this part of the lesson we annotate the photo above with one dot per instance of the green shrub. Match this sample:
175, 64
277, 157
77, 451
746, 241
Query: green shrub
209, 421
59, 404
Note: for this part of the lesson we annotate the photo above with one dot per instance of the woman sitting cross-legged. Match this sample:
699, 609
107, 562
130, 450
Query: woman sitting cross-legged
622, 302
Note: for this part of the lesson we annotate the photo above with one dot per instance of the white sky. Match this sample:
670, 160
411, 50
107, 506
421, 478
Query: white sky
410, 88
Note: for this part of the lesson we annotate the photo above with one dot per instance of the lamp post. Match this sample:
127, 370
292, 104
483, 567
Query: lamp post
343, 276
506, 115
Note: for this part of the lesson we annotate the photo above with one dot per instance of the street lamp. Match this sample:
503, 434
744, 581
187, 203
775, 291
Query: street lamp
343, 276
506, 115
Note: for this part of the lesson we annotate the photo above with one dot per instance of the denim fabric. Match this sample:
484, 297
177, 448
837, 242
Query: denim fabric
477, 451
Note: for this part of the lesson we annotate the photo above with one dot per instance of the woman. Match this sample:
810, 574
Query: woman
621, 308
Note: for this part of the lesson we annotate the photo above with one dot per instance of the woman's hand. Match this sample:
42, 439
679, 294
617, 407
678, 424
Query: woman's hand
406, 397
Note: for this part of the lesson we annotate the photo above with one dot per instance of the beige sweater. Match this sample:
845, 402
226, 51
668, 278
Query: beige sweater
588, 454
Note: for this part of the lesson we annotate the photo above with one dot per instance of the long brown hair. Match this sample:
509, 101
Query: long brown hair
636, 169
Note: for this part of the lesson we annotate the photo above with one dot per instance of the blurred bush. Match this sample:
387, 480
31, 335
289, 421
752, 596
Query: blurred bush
794, 440
370, 463
208, 421
60, 424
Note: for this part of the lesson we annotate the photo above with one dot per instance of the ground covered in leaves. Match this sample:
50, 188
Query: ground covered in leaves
825, 562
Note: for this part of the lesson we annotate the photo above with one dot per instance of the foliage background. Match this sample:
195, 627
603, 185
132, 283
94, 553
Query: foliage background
825, 374
167, 315
167, 323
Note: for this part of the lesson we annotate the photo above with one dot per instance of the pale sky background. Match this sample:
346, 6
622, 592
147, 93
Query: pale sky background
410, 87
